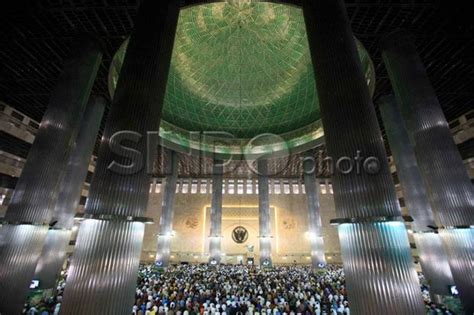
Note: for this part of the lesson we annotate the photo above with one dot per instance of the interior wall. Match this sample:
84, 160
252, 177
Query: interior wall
289, 218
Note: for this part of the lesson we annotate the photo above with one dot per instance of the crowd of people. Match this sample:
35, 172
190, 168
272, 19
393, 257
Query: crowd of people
240, 289
234, 290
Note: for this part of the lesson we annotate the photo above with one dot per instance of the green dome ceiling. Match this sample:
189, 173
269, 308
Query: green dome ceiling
240, 67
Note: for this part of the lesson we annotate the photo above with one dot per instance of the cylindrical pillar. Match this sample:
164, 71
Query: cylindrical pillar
104, 266
380, 273
433, 259
167, 213
315, 229
36, 192
215, 235
54, 251
264, 222
447, 183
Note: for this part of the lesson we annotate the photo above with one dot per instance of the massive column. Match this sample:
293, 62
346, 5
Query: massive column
35, 195
447, 183
215, 235
314, 216
104, 267
376, 255
54, 250
433, 259
167, 212
264, 223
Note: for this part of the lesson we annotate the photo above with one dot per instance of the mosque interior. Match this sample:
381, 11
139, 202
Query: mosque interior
269, 134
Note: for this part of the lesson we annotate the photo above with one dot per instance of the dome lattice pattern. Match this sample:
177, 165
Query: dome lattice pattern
241, 67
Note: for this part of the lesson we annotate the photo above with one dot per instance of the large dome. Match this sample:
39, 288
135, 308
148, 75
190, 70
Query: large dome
243, 68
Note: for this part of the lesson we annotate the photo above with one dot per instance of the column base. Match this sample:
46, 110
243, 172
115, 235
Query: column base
379, 269
434, 263
104, 268
163, 251
215, 249
52, 258
436, 298
20, 249
459, 244
318, 259
266, 251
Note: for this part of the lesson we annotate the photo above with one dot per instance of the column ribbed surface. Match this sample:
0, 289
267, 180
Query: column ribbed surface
318, 259
350, 125
348, 115
434, 262
52, 258
75, 174
433, 259
265, 232
215, 234
37, 189
314, 215
136, 107
20, 246
379, 270
459, 244
167, 213
408, 173
106, 256
54, 251
447, 183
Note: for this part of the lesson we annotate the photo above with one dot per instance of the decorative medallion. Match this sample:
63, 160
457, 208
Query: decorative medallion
191, 222
240, 235
289, 224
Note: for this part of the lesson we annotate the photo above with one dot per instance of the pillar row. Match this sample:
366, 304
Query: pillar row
433, 259
374, 245
447, 183
30, 211
104, 267
55, 247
